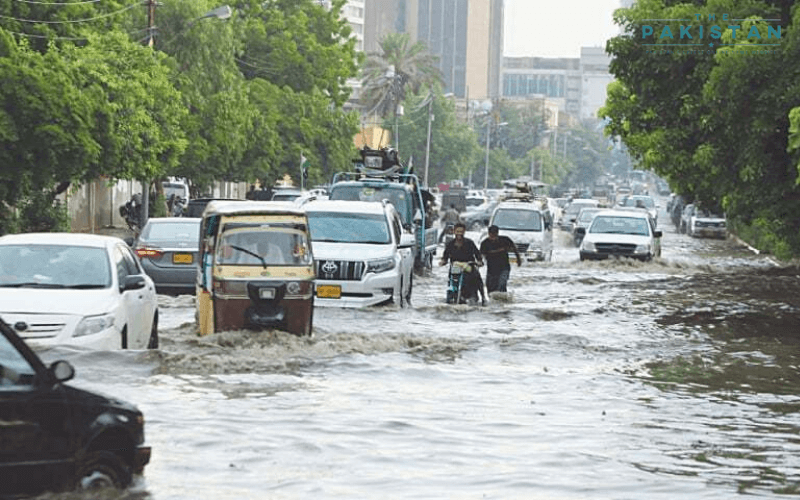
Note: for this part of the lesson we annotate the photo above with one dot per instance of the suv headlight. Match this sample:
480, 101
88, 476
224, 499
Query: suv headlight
642, 249
380, 265
93, 324
588, 246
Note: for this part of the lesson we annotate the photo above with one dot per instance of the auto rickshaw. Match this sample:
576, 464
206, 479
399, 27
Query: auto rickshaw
256, 268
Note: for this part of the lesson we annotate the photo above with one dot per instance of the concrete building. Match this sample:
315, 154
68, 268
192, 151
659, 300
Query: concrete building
465, 35
578, 85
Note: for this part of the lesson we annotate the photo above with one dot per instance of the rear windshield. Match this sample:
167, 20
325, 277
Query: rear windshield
517, 220
174, 231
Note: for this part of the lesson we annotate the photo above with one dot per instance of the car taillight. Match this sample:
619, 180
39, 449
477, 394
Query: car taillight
149, 253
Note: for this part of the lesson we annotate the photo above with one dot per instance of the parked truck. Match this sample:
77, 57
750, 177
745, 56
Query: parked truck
380, 175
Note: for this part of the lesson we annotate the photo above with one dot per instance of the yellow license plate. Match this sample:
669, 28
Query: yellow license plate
329, 291
181, 258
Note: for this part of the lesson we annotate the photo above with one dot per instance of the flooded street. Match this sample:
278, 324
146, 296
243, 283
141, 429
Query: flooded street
606, 380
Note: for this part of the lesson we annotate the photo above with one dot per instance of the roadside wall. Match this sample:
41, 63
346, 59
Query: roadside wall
94, 206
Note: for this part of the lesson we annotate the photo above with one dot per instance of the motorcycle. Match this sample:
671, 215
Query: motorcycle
464, 284
131, 211
448, 234
176, 205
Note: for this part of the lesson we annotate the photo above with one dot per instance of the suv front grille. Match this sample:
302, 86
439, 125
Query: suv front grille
615, 248
343, 270
522, 247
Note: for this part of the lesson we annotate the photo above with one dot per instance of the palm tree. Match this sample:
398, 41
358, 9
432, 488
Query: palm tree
399, 66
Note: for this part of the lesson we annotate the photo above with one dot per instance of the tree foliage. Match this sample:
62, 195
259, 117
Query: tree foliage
717, 123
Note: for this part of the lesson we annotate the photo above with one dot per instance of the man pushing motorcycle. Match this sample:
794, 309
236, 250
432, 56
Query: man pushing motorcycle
464, 250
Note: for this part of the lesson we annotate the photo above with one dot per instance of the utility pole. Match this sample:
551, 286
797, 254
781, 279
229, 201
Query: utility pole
488, 135
151, 29
428, 143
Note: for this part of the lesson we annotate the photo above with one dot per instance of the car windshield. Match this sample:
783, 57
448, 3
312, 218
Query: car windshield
14, 368
54, 266
395, 196
518, 220
574, 208
285, 196
604, 224
707, 214
636, 201
586, 215
349, 228
263, 246
182, 231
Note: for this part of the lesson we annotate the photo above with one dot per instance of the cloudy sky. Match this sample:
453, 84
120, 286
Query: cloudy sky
557, 28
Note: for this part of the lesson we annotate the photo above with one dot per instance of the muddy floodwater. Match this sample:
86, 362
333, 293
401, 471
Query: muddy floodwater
589, 380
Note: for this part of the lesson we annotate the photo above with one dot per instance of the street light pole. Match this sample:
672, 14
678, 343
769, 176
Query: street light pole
486, 169
428, 144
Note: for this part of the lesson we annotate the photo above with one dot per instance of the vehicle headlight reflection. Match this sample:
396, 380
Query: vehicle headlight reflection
380, 265
94, 324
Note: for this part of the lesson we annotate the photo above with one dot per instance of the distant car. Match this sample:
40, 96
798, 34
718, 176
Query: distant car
621, 233
528, 225
643, 201
168, 248
705, 223
478, 217
571, 212
363, 257
56, 437
85, 290
582, 221
286, 194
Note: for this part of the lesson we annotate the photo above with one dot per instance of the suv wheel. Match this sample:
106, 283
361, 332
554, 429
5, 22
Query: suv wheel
102, 469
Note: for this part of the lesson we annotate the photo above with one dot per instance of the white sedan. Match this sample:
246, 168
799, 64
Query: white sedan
76, 289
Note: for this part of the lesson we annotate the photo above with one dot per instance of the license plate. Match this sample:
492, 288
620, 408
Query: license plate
329, 291
181, 258
266, 293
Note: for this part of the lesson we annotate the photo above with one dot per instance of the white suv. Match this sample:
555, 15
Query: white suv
362, 256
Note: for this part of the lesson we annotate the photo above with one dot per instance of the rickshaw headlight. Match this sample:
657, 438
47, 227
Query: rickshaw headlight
293, 287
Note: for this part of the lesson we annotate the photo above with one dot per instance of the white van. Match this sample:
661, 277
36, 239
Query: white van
530, 227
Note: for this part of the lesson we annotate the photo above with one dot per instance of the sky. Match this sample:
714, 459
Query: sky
557, 28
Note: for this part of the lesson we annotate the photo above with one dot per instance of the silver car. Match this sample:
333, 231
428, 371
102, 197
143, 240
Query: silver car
168, 248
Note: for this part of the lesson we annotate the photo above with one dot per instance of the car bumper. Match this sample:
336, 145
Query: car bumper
706, 232
370, 291
171, 277
604, 256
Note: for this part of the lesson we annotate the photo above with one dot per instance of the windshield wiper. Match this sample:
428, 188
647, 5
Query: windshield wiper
32, 284
84, 286
263, 262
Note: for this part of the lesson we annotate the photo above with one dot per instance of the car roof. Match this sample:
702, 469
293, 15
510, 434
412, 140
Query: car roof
254, 207
168, 220
345, 206
631, 212
517, 204
67, 239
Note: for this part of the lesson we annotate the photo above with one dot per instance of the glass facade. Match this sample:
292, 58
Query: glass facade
516, 85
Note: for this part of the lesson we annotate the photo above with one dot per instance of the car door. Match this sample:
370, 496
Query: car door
139, 305
36, 438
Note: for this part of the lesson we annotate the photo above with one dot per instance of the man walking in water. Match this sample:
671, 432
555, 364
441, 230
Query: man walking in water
496, 249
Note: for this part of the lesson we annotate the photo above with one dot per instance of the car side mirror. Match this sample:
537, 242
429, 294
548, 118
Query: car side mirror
61, 371
407, 240
134, 282
129, 241
657, 234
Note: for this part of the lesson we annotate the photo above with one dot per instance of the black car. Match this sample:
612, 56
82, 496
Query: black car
55, 437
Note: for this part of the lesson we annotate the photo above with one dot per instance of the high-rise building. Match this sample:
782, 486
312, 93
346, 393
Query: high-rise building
578, 85
465, 35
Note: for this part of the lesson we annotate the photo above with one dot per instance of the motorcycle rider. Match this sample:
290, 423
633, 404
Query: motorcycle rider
462, 249
450, 218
